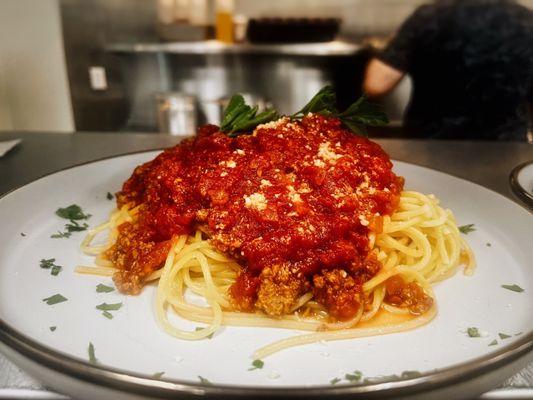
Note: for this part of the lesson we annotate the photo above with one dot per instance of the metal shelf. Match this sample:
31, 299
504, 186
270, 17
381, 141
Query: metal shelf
213, 47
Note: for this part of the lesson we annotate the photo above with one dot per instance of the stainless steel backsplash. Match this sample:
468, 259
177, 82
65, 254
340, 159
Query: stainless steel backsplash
89, 26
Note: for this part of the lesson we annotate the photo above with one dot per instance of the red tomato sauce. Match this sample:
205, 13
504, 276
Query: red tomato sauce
299, 195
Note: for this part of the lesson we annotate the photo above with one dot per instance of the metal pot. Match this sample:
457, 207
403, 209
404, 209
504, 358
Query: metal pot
177, 113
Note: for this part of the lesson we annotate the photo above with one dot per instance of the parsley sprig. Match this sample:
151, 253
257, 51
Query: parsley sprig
240, 118
356, 117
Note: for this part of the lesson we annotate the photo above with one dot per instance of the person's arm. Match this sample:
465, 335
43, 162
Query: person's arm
388, 68
380, 78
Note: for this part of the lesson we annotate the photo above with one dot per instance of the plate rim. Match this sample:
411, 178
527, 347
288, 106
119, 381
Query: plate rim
136, 383
518, 189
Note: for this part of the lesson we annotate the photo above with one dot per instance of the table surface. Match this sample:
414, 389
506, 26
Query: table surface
486, 163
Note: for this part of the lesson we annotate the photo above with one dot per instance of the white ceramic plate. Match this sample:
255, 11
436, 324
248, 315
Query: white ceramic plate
132, 343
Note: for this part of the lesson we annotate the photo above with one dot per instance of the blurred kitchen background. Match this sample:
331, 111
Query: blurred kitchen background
149, 65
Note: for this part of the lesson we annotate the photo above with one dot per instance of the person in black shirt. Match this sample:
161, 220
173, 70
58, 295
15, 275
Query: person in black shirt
471, 63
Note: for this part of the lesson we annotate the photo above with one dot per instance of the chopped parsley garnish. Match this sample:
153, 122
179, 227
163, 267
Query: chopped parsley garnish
493, 343
47, 263
514, 288
92, 357
72, 212
60, 235
105, 307
52, 328
50, 264
334, 381
55, 299
256, 364
199, 328
158, 375
354, 377
238, 117
73, 226
204, 381
109, 196
466, 229
22, 234
101, 288
388, 378
109, 307
473, 332
504, 336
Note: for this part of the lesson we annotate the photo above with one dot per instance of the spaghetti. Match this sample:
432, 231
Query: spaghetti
419, 243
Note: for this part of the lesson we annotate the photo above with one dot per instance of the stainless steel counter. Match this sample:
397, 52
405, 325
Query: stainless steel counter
210, 47
486, 163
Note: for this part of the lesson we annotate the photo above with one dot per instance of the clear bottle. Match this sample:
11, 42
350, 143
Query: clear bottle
224, 20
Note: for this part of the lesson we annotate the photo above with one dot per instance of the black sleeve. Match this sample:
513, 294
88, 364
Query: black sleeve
398, 53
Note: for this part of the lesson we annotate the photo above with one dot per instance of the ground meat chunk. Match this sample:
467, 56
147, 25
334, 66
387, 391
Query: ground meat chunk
338, 292
407, 295
280, 288
135, 265
128, 282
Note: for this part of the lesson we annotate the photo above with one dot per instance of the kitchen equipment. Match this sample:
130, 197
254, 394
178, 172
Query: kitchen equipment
177, 113
292, 30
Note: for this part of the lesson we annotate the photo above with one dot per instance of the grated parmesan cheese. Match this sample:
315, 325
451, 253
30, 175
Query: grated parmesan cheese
325, 152
272, 124
293, 195
318, 163
255, 200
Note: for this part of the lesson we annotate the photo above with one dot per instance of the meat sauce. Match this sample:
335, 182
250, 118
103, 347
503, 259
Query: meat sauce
293, 203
